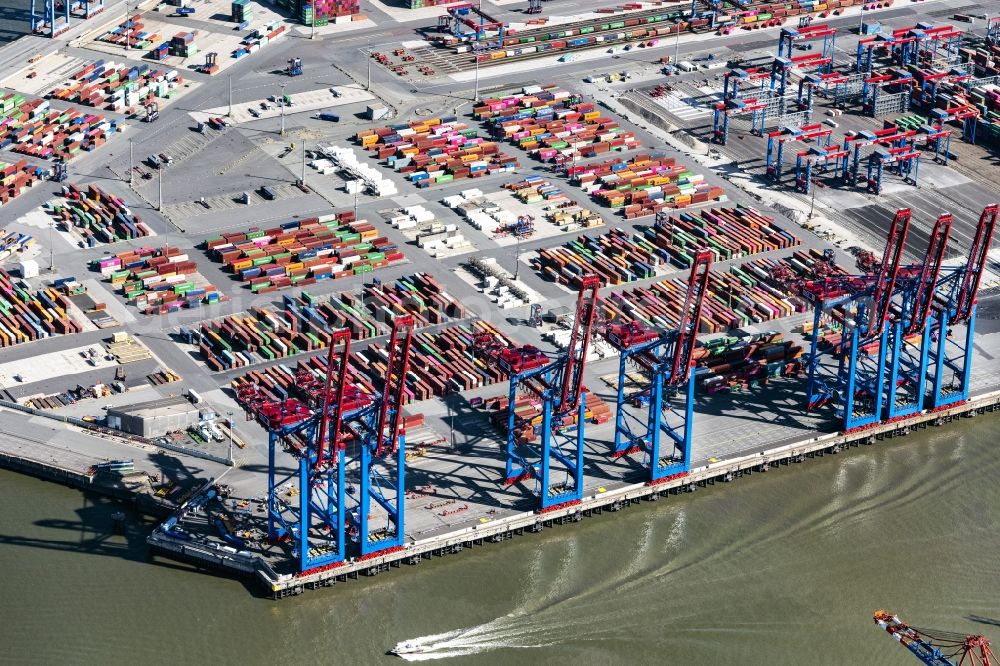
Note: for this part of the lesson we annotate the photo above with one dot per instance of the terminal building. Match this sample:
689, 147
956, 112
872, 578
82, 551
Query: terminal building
154, 418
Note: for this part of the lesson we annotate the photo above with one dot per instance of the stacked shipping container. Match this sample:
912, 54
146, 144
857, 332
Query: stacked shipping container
130, 33
306, 323
729, 363
322, 11
112, 87
435, 151
159, 281
98, 216
644, 184
528, 414
14, 178
742, 296
551, 124
27, 314
32, 128
300, 252
441, 363
618, 257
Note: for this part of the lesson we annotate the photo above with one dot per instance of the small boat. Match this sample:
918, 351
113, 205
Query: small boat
406, 647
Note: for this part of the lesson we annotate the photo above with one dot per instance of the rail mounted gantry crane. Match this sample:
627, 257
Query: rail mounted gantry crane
951, 352
776, 140
790, 36
556, 381
909, 334
863, 303
663, 357
723, 111
781, 68
937, 648
889, 136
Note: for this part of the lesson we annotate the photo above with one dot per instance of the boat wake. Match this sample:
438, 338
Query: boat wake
510, 631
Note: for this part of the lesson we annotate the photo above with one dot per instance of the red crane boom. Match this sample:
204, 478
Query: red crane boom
977, 263
395, 384
587, 303
691, 316
886, 279
929, 272
341, 337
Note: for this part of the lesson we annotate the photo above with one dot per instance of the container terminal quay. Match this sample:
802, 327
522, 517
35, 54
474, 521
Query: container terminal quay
331, 287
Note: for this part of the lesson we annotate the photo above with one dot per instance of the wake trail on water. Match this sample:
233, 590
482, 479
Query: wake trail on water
554, 604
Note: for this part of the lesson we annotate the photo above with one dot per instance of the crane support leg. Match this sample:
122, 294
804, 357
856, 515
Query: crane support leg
678, 424
864, 381
952, 358
566, 448
315, 523
907, 371
386, 487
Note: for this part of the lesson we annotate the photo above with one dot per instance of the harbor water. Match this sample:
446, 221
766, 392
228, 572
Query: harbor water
778, 568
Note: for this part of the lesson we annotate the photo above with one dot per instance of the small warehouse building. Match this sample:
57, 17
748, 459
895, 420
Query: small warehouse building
154, 418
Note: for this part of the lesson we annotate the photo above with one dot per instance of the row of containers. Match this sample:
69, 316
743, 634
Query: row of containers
259, 38
618, 257
553, 125
644, 184
13, 243
15, 178
744, 295
528, 414
96, 215
302, 252
158, 280
115, 87
28, 314
434, 151
737, 363
442, 362
613, 31
305, 323
31, 127
322, 11
130, 34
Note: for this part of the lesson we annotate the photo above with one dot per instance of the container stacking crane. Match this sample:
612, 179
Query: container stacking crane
663, 357
556, 382
937, 648
951, 355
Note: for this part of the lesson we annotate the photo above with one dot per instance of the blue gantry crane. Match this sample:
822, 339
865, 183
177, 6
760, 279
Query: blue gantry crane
307, 505
376, 427
313, 520
663, 358
556, 381
951, 350
909, 334
852, 370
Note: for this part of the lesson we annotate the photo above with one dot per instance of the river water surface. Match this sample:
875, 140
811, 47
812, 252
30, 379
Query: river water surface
779, 568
